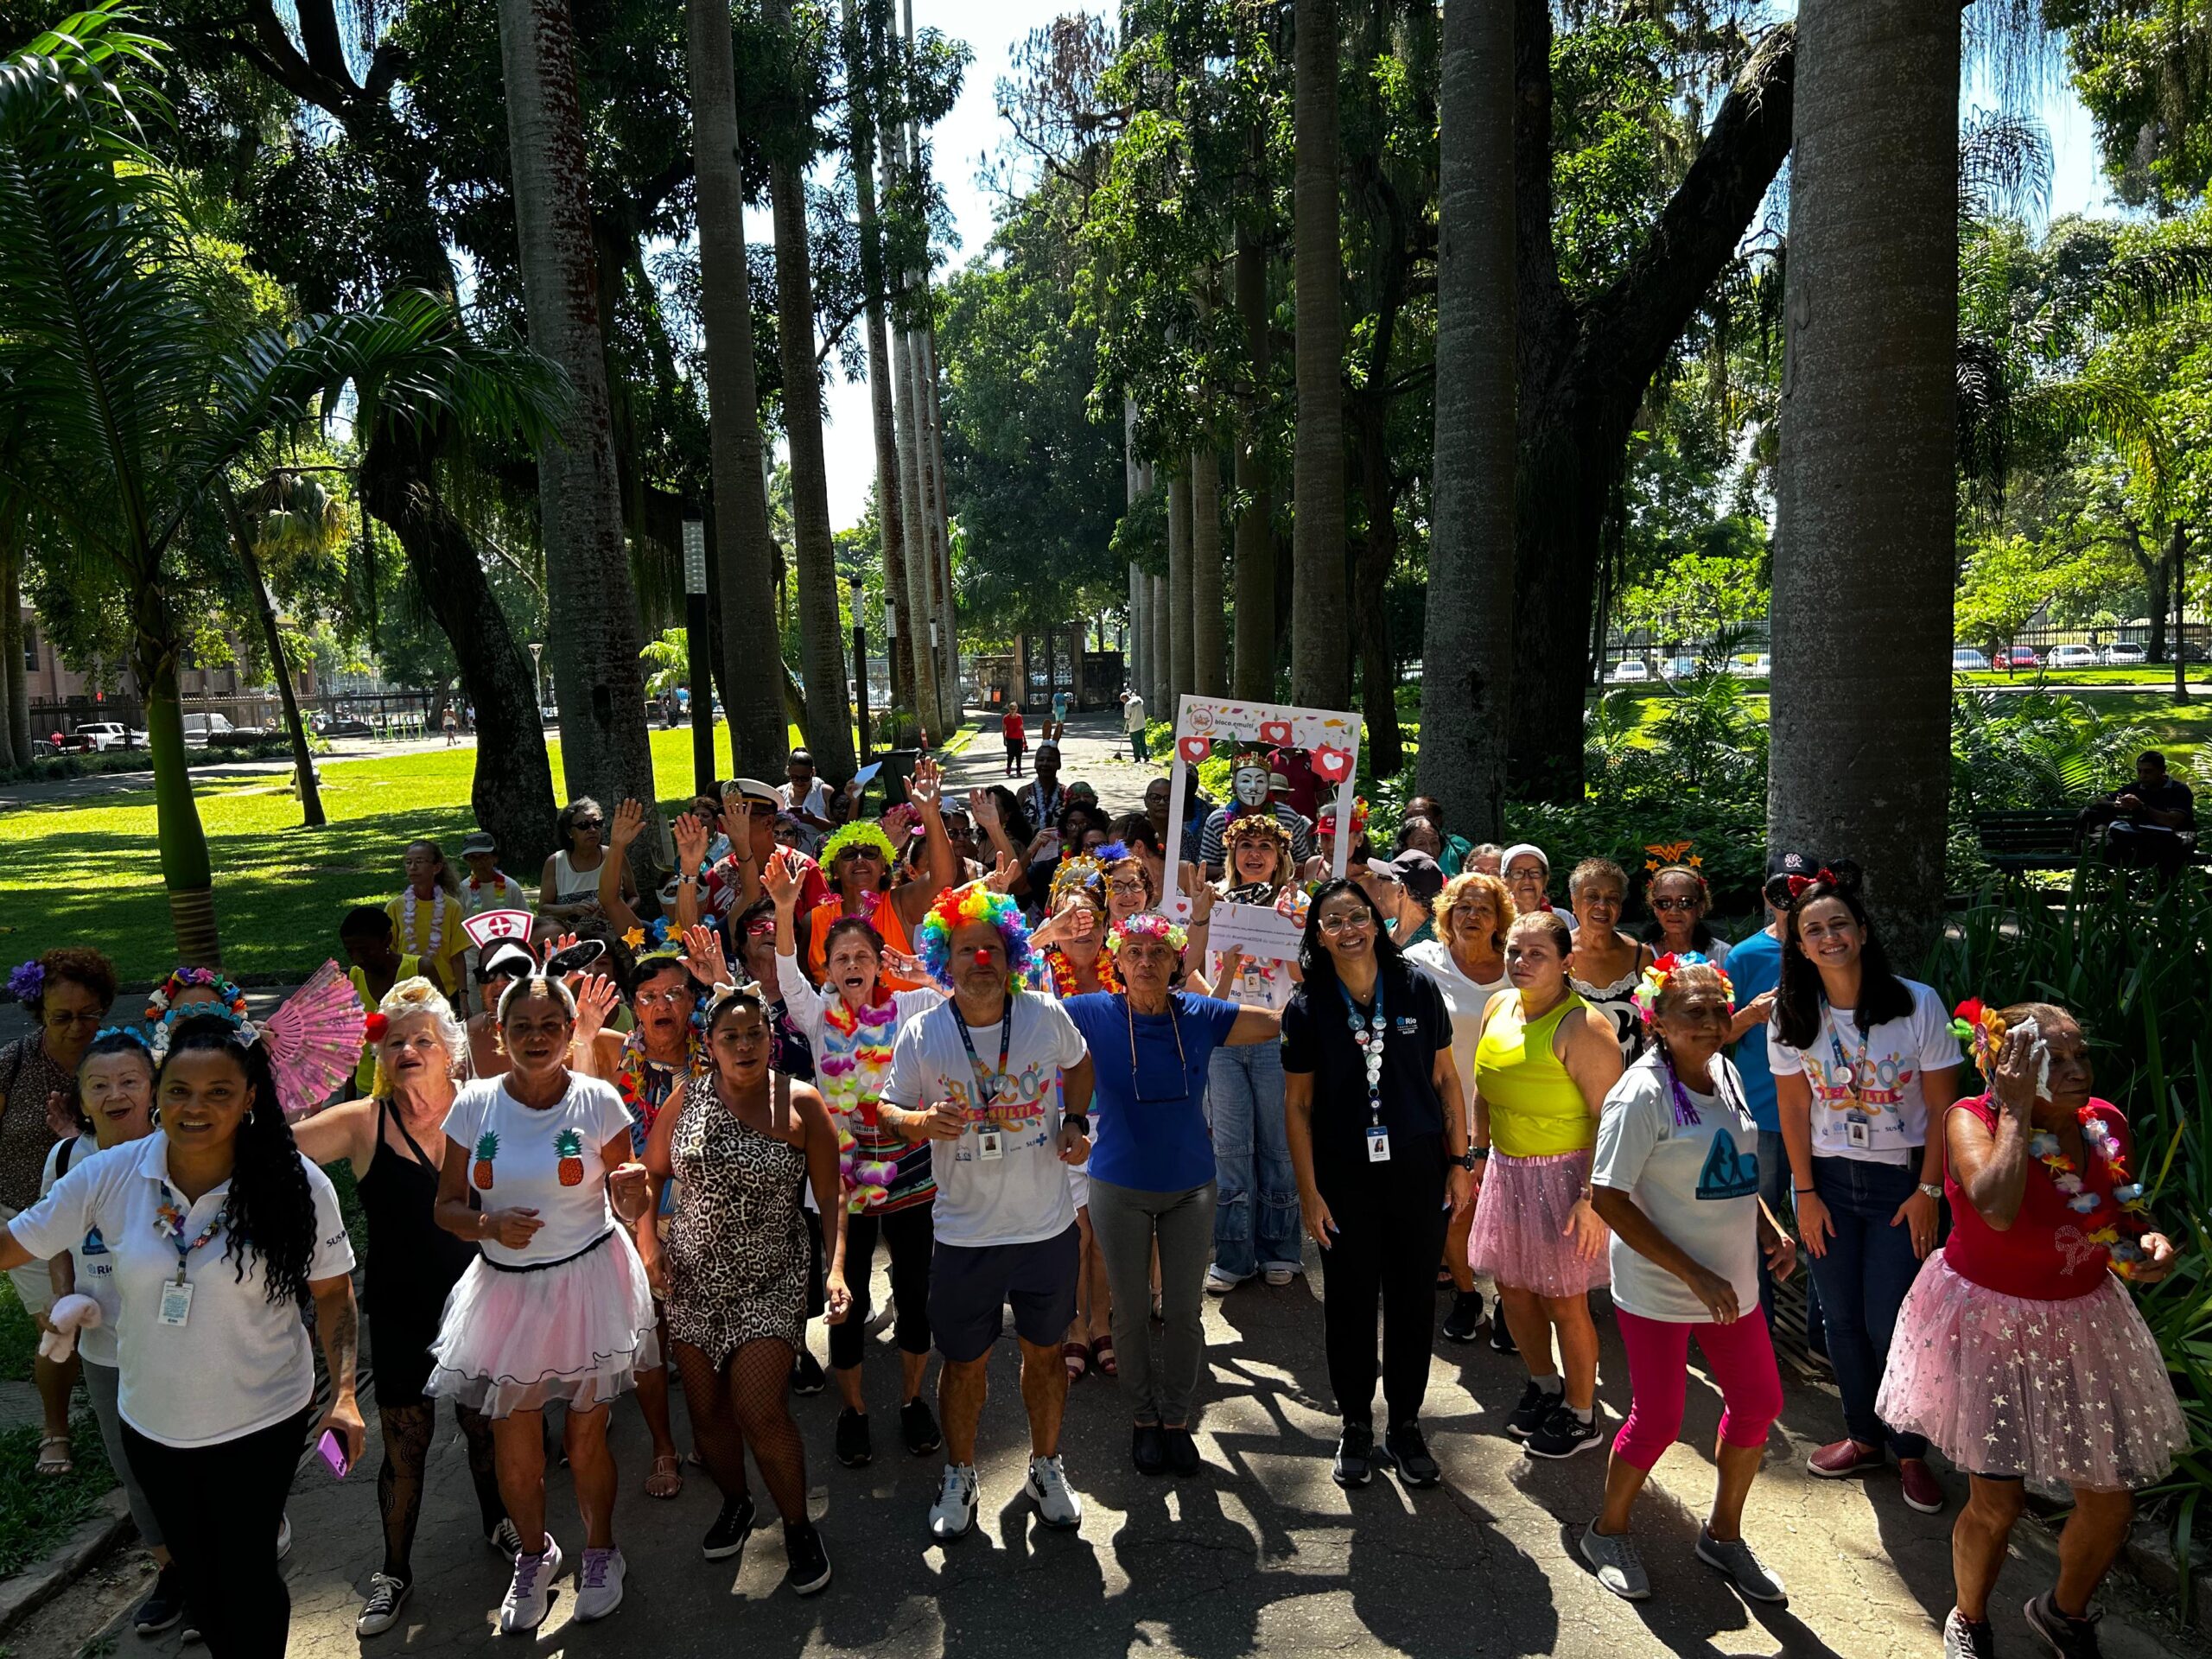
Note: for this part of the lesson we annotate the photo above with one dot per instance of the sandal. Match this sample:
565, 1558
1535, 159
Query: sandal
1102, 1356
1077, 1357
667, 1479
52, 1464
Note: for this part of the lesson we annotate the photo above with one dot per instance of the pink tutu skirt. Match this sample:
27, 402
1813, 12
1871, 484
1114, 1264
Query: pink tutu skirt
2060, 1394
578, 1333
1520, 1236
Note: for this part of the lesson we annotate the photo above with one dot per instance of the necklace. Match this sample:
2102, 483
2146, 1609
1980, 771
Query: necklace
2134, 1215
1370, 1036
852, 1069
477, 884
438, 923
1064, 983
631, 1071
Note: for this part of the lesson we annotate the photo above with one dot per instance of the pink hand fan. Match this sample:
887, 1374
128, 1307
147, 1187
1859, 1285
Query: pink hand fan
314, 1038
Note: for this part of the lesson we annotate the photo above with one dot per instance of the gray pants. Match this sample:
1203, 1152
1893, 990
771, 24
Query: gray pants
1125, 1221
102, 1382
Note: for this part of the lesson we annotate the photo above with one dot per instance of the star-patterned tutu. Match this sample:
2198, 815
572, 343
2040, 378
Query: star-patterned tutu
2060, 1394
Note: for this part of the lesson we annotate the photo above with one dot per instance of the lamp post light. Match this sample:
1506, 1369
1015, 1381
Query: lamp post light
695, 635
860, 660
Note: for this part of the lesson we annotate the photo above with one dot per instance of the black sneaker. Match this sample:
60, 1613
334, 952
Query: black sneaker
806, 1375
1564, 1433
1466, 1319
854, 1448
1355, 1464
1148, 1449
726, 1537
917, 1427
164, 1604
1183, 1457
1501, 1334
2066, 1636
807, 1564
1409, 1452
1536, 1403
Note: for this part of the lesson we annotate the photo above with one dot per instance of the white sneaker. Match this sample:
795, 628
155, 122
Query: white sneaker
380, 1611
953, 1515
1281, 1276
283, 1536
1056, 1503
599, 1584
1219, 1283
530, 1590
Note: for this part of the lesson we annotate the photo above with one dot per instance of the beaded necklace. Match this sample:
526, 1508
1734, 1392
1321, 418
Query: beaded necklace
2134, 1215
437, 922
852, 1071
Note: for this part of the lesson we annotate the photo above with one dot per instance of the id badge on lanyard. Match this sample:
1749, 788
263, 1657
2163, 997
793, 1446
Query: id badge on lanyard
991, 1139
1378, 1144
177, 1303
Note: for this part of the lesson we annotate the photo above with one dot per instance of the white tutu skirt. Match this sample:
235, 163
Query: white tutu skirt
577, 1333
2061, 1394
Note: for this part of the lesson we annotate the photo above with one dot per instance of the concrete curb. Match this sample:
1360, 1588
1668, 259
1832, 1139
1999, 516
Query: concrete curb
28, 1591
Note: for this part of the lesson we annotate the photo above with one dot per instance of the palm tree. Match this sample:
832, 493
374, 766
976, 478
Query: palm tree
1467, 650
1209, 645
1253, 677
1182, 615
126, 394
1321, 658
1866, 491
745, 553
591, 605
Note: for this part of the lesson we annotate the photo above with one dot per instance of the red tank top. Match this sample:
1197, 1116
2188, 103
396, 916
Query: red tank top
2045, 1256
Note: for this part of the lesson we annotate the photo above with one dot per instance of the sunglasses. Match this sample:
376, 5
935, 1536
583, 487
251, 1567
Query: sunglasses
1675, 904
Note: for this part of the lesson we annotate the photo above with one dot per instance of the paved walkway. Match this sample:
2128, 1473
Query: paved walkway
1260, 1554
1094, 750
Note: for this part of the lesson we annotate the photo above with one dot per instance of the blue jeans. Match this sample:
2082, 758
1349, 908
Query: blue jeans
1862, 1280
1774, 1187
1256, 1222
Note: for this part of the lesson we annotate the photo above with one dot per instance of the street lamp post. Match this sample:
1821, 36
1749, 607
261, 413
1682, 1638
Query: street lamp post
537, 678
695, 634
860, 661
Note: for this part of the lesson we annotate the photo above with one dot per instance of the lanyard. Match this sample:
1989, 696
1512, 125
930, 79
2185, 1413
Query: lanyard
1370, 1037
169, 1219
987, 1091
1853, 1076
1182, 1059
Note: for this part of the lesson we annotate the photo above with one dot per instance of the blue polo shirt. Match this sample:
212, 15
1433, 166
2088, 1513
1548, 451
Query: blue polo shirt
1755, 966
1158, 1143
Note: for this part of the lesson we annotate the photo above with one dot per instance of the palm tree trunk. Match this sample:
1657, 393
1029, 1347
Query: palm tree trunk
947, 668
1182, 642
917, 538
1161, 697
1467, 647
1253, 680
1320, 663
933, 520
14, 688
1860, 712
744, 554
1209, 643
280, 666
185, 871
1375, 556
590, 602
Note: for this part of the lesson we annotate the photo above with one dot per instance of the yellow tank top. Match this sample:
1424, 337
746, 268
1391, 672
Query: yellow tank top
1535, 1110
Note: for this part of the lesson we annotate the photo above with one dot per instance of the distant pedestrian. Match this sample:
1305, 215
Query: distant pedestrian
1016, 736
1133, 719
453, 729
1060, 716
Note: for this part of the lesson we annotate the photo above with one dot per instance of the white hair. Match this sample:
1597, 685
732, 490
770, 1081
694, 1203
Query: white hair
417, 995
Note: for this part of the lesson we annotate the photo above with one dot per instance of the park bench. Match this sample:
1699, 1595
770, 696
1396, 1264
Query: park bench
2039, 841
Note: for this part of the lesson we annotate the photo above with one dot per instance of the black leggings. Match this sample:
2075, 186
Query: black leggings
1390, 1223
409, 1429
910, 1235
747, 1401
219, 1507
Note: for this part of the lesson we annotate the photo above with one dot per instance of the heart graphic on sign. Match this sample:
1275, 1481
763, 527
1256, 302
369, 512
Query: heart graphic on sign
1331, 763
1275, 731
1195, 749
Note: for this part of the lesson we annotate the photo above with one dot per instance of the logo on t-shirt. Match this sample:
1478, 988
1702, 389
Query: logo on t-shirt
1728, 1172
94, 1244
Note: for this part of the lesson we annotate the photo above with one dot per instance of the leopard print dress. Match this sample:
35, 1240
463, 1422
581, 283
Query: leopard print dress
737, 1251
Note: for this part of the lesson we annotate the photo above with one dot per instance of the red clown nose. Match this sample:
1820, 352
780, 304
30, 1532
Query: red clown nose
982, 958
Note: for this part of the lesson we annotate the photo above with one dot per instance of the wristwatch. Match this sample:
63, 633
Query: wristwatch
1081, 1120
1472, 1156
1931, 1189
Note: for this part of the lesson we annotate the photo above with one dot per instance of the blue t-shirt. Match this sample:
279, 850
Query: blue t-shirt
1755, 966
1158, 1143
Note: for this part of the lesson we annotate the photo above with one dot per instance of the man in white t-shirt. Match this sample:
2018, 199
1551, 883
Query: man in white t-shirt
1132, 719
998, 1082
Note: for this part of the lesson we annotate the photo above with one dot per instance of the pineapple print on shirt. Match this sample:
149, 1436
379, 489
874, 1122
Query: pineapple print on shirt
569, 1146
487, 1148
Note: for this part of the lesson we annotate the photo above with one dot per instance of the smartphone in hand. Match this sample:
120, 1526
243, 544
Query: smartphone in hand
332, 1450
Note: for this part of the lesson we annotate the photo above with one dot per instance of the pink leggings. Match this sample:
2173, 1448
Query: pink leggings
1741, 1357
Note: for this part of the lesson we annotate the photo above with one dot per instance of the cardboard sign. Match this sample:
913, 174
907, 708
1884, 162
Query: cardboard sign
1261, 931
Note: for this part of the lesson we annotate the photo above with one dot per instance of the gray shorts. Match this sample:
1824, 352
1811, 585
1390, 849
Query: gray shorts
971, 1286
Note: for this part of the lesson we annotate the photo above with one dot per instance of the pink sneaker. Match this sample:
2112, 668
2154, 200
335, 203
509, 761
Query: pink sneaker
1923, 1491
1843, 1459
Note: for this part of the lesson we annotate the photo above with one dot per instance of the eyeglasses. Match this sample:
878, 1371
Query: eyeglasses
1673, 904
588, 824
1332, 925
1127, 888
660, 999
60, 1017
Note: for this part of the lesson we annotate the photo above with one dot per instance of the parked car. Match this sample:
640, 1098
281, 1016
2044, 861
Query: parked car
2124, 655
1628, 669
2071, 656
343, 725
2017, 657
1967, 660
110, 734
204, 728
1751, 668
1679, 668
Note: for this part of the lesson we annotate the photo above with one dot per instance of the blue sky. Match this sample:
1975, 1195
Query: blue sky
992, 27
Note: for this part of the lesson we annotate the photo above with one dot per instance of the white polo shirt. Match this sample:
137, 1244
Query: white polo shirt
237, 1363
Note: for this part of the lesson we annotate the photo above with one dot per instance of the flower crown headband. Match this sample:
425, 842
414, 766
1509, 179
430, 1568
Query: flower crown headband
243, 1032
1146, 925
184, 979
1982, 1028
1646, 995
1255, 827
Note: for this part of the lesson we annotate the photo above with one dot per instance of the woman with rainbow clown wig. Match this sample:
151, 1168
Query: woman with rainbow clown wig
999, 1084
860, 861
851, 1025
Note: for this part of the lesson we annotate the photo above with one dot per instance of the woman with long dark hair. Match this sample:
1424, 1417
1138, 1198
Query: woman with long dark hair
1865, 1066
223, 1239
1378, 1136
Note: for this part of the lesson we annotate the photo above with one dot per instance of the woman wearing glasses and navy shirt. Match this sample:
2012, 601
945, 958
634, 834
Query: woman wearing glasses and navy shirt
1378, 1136
1864, 1062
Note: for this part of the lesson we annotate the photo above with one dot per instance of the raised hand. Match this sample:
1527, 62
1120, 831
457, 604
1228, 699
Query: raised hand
595, 995
703, 954
1003, 870
690, 843
782, 879
984, 808
737, 825
629, 822
926, 786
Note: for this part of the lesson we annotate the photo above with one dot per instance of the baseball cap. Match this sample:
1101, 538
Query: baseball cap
479, 841
1423, 875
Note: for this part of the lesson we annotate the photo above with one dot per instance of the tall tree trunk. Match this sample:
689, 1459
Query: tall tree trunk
917, 539
1209, 643
1320, 663
1866, 491
1162, 698
930, 482
187, 873
745, 552
1182, 643
511, 790
1132, 662
14, 686
1375, 557
1467, 646
1253, 680
948, 603
591, 608
280, 667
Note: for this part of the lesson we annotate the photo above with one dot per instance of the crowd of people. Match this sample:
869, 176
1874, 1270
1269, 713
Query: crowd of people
678, 1124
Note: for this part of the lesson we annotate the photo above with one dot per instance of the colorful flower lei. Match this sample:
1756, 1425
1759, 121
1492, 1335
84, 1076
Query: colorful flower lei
851, 1084
959, 907
27, 980
184, 979
2133, 1219
1062, 967
697, 1063
1148, 924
